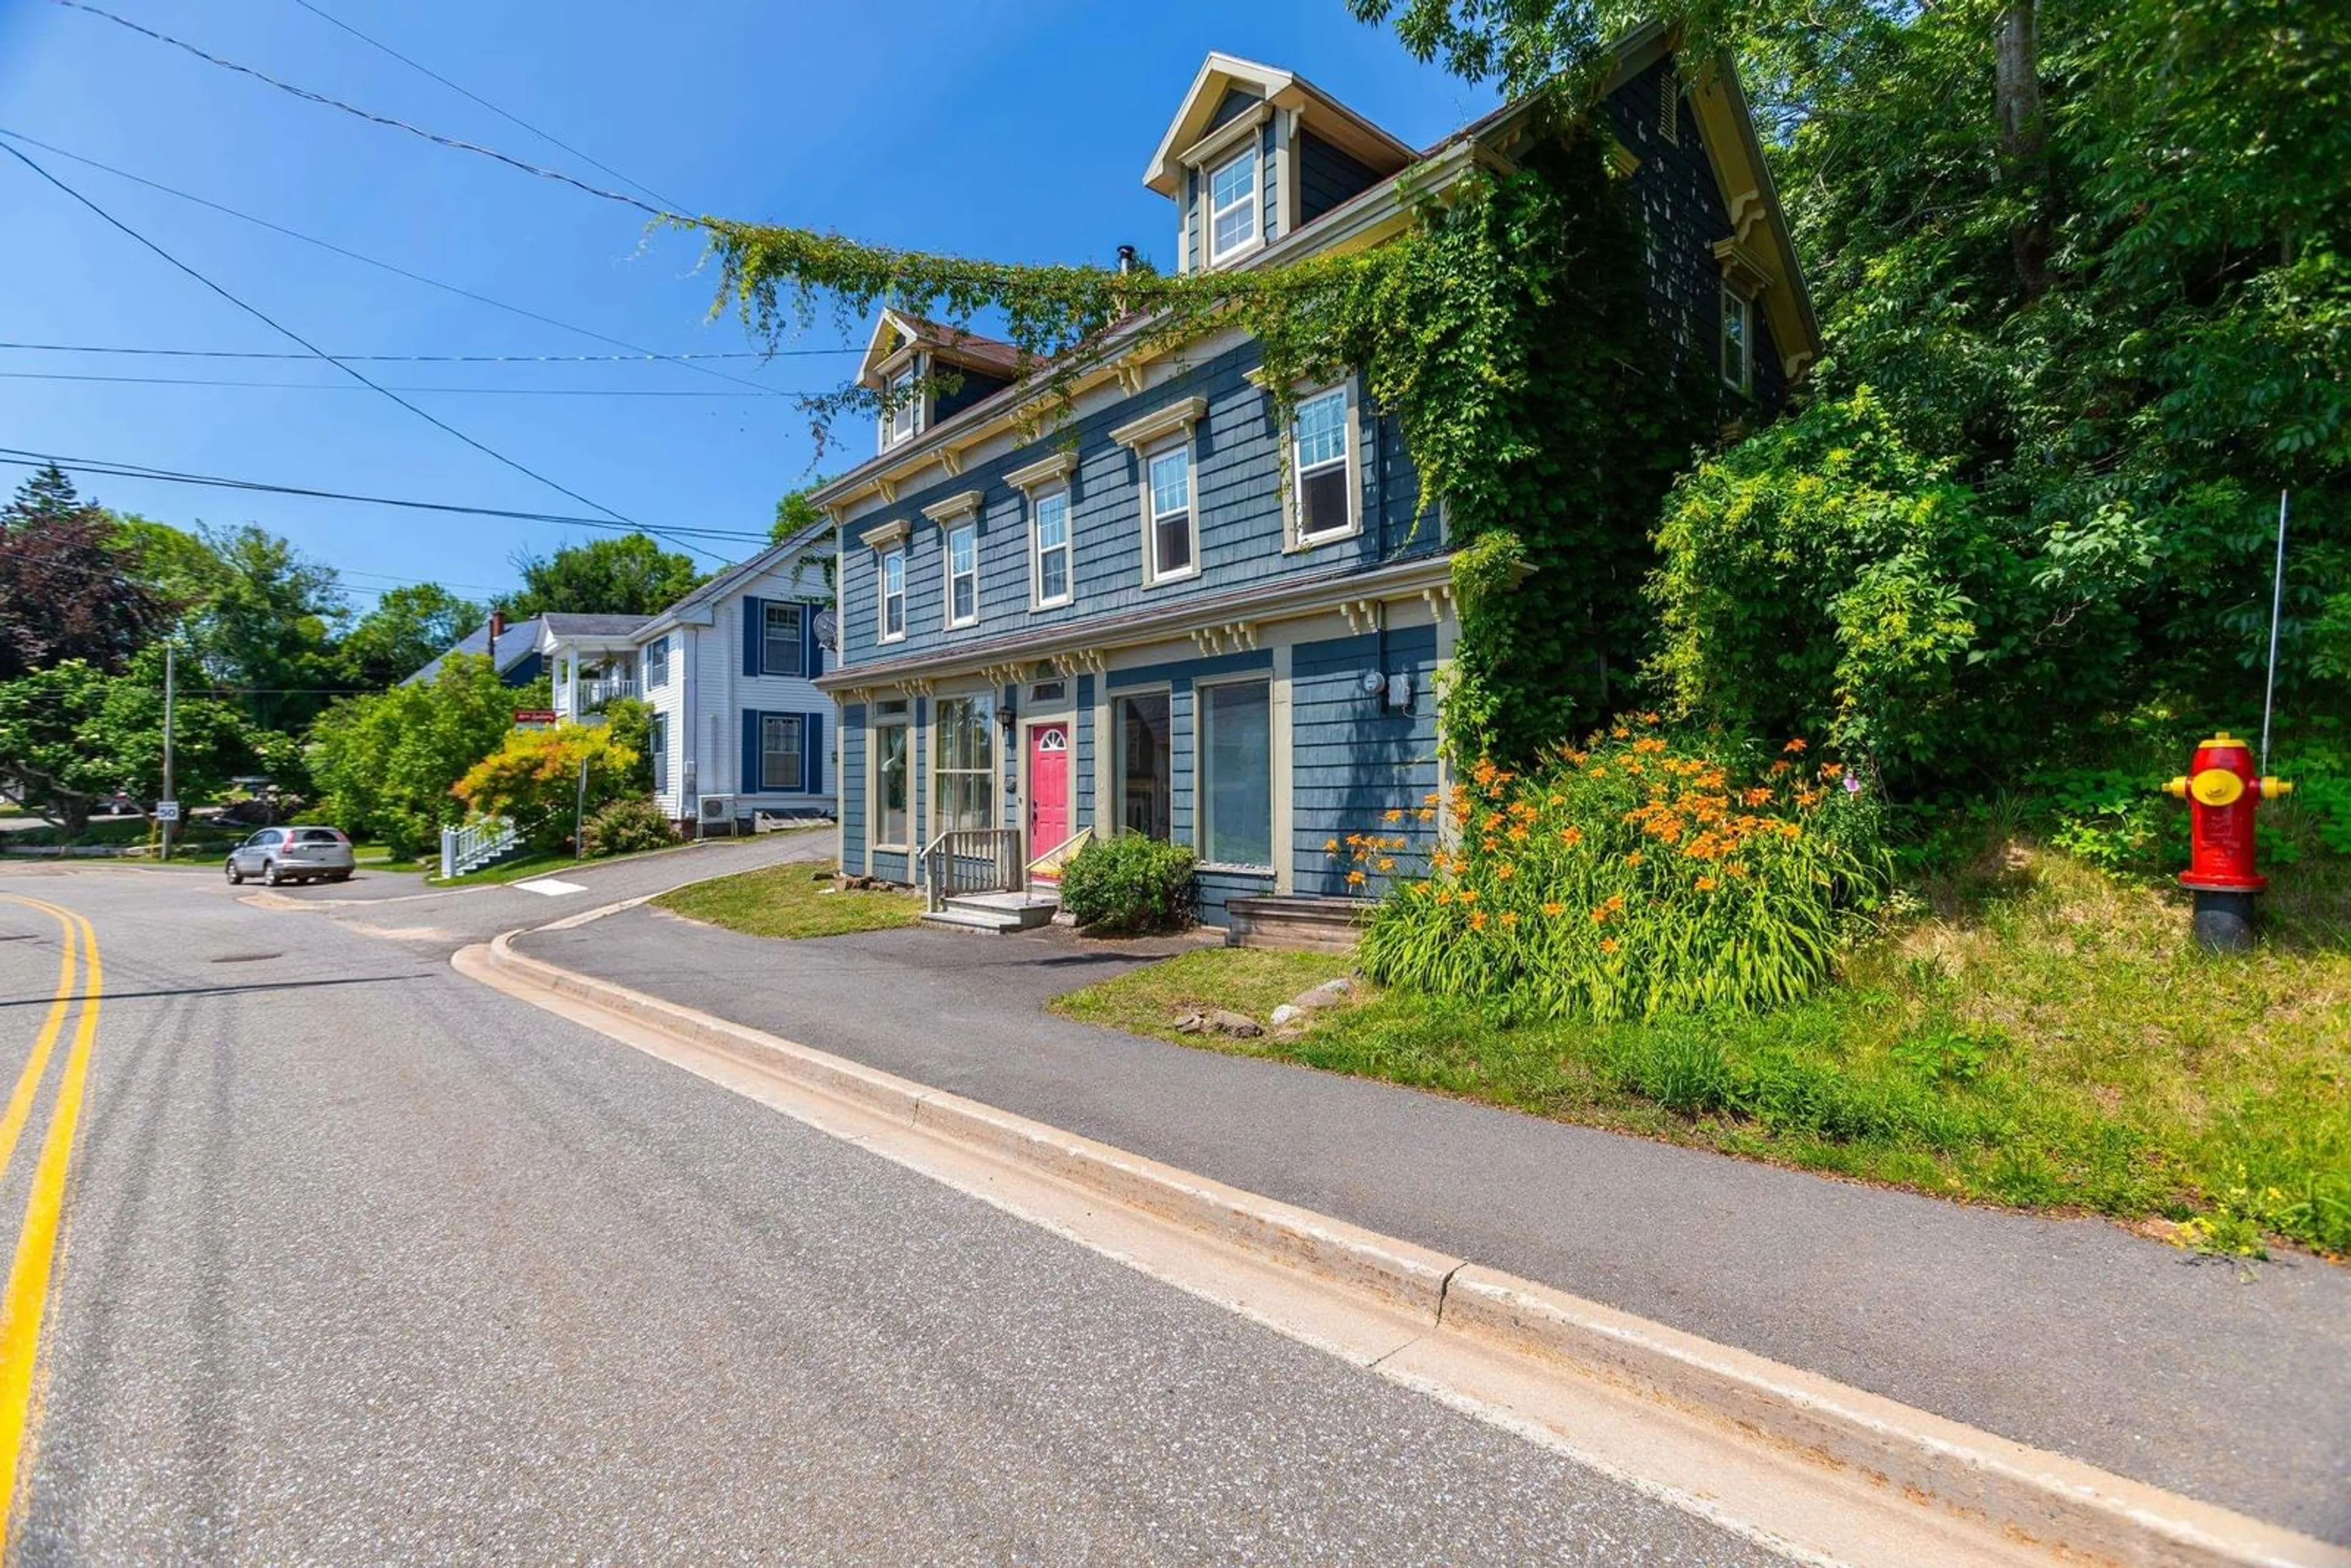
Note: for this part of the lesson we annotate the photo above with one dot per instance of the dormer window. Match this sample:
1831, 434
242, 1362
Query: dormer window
903, 408
1233, 206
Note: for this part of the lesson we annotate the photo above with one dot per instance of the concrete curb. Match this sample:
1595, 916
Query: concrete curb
2023, 1495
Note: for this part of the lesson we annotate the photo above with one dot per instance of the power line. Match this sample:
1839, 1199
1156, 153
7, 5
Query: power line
326, 16
292, 335
387, 387
425, 358
370, 261
383, 119
19, 457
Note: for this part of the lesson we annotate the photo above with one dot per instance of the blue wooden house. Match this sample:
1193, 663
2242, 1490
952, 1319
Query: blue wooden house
1146, 621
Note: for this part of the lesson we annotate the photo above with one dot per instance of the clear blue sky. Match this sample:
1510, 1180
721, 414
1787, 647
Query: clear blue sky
1016, 130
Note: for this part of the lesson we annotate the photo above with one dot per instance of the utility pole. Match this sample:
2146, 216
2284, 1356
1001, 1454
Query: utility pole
170, 672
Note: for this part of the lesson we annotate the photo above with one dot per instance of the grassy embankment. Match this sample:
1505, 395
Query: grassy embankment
791, 900
2034, 1033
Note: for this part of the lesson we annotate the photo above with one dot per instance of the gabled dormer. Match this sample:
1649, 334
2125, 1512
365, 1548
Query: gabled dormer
1255, 153
908, 358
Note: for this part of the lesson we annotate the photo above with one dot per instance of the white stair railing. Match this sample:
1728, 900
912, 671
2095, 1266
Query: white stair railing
476, 845
973, 860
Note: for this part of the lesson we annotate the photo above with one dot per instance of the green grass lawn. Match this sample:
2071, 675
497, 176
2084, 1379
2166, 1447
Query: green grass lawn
2032, 1033
791, 900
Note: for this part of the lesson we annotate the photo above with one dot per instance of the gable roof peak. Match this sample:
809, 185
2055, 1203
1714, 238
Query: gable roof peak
1220, 73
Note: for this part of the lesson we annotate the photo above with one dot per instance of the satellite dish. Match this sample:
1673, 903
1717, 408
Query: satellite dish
827, 631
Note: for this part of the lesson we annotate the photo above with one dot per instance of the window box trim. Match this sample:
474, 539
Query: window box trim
1180, 415
883, 537
1230, 134
962, 503
1045, 471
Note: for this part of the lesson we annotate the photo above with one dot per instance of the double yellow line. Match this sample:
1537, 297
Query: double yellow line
23, 1302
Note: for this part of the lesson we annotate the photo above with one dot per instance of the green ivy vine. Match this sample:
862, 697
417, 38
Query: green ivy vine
1509, 331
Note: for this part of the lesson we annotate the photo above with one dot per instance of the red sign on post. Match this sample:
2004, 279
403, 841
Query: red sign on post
534, 718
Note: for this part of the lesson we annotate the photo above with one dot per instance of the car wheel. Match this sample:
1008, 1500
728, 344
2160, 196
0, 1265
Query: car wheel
270, 877
235, 877
338, 877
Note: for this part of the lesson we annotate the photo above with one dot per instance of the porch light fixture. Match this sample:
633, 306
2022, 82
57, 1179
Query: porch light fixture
1006, 719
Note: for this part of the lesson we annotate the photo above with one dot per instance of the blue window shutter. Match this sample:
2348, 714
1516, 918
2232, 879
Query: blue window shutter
812, 659
812, 752
754, 625
750, 751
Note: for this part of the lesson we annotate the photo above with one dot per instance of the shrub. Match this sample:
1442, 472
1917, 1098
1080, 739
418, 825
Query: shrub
1129, 883
388, 760
1630, 880
627, 828
534, 778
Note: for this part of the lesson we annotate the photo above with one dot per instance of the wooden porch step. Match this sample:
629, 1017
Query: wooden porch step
1296, 923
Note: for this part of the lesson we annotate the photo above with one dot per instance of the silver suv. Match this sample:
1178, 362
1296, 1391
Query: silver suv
292, 854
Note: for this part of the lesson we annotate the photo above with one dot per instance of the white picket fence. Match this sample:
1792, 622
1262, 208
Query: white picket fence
476, 845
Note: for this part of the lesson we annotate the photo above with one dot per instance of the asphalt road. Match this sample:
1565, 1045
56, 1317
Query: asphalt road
365, 1262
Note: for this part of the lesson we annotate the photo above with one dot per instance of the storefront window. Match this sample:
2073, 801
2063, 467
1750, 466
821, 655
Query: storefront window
1237, 774
1145, 805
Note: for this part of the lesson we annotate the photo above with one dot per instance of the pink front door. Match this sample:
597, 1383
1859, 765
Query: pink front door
1049, 788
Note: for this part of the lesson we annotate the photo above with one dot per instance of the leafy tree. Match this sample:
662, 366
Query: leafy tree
627, 574
388, 760
266, 632
68, 589
72, 735
534, 778
631, 720
409, 626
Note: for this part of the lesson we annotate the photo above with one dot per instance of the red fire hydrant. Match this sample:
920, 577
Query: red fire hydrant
2221, 791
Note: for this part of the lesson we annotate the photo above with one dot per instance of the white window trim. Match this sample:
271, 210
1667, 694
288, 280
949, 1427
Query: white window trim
986, 698
1745, 381
875, 722
799, 750
882, 633
1209, 210
1274, 740
1151, 576
912, 412
661, 643
947, 573
800, 614
1293, 500
1068, 546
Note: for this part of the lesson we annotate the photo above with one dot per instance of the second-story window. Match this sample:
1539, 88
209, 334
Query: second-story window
1052, 527
902, 415
1738, 340
894, 595
1319, 454
779, 639
962, 574
1170, 493
657, 662
1232, 206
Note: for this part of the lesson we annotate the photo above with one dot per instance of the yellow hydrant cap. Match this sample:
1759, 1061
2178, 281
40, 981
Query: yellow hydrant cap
2176, 788
2217, 787
2222, 740
2273, 788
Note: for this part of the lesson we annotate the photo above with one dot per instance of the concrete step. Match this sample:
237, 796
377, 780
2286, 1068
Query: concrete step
995, 911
